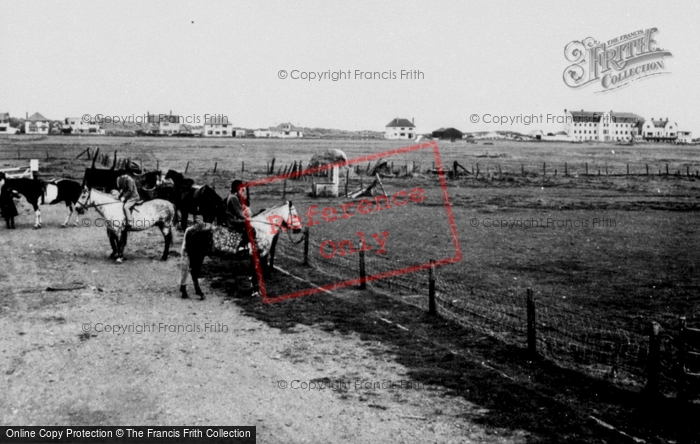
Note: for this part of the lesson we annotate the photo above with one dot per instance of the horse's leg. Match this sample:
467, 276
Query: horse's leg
121, 243
195, 270
113, 242
37, 214
184, 268
168, 235
70, 213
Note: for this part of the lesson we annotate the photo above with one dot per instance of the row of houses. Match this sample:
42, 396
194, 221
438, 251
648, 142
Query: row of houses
155, 124
621, 127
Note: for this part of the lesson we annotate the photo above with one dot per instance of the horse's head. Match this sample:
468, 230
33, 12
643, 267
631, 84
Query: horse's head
173, 176
84, 200
294, 219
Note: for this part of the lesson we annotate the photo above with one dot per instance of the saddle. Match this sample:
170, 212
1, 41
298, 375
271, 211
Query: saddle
228, 242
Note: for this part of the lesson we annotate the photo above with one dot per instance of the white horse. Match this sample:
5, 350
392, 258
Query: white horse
154, 213
203, 240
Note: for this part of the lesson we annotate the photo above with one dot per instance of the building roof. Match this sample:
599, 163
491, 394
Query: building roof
595, 116
281, 127
400, 122
660, 123
158, 118
36, 117
218, 120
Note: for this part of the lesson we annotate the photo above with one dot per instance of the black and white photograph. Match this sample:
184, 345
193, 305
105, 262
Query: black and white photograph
350, 222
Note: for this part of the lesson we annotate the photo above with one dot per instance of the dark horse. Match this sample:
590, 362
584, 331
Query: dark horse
53, 192
193, 199
203, 240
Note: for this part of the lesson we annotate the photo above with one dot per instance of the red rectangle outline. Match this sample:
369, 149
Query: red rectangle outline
357, 281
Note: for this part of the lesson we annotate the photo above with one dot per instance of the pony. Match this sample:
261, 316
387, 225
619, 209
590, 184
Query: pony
194, 199
53, 192
62, 190
154, 213
203, 240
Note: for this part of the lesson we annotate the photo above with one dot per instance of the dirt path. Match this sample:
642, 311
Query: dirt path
51, 372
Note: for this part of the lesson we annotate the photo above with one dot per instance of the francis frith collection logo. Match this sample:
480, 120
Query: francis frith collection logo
616, 63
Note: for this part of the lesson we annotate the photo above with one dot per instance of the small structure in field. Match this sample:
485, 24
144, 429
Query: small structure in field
329, 157
447, 134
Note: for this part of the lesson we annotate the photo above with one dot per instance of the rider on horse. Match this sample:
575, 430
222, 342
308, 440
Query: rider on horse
129, 194
236, 211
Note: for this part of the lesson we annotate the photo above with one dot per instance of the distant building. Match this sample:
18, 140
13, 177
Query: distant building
400, 129
164, 124
76, 125
263, 133
684, 137
602, 126
5, 127
218, 126
286, 130
447, 134
239, 132
660, 130
36, 124
283, 131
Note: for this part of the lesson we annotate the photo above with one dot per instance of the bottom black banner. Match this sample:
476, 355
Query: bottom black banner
127, 434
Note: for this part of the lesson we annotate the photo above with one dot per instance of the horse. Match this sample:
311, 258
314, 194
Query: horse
194, 199
62, 190
203, 240
154, 213
53, 192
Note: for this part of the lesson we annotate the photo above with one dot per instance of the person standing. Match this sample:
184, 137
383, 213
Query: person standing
7, 205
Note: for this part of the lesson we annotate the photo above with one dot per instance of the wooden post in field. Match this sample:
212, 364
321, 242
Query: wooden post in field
347, 179
522, 169
454, 170
47, 155
566, 169
242, 166
667, 169
247, 196
284, 189
606, 168
653, 360
432, 307
628, 169
306, 245
531, 324
681, 392
187, 167
215, 165
272, 167
363, 273
647, 166
586, 168
544, 168
114, 164
687, 168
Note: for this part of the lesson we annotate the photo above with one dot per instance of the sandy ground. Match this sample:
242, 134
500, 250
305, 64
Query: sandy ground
54, 373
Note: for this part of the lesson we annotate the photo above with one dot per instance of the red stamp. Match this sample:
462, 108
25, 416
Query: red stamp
405, 223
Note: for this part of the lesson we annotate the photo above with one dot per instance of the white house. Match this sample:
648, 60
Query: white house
660, 130
262, 133
286, 131
684, 137
238, 132
602, 126
5, 127
164, 124
36, 124
217, 126
78, 126
400, 129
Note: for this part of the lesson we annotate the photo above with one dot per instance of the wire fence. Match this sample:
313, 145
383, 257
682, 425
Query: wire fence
599, 347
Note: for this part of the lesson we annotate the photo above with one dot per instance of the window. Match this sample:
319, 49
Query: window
209, 132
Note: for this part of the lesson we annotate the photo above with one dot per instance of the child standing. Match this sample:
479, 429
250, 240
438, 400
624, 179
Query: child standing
7, 205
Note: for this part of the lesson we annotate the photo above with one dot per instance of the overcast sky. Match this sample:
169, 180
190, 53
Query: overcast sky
70, 58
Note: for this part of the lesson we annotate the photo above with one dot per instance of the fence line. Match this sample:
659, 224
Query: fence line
586, 343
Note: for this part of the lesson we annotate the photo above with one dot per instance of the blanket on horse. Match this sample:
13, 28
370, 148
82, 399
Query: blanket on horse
223, 241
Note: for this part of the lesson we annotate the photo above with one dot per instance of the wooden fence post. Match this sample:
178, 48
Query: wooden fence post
667, 169
215, 165
187, 167
284, 189
544, 168
522, 169
680, 380
531, 324
432, 308
586, 168
347, 179
242, 166
653, 360
363, 273
566, 169
647, 165
628, 169
306, 246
